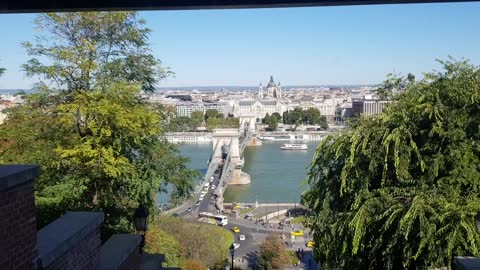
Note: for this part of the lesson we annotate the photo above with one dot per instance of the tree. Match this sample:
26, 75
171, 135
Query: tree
89, 49
2, 70
271, 121
277, 116
158, 241
264, 120
197, 119
208, 244
311, 116
400, 190
193, 264
323, 122
96, 141
180, 124
393, 85
211, 113
273, 254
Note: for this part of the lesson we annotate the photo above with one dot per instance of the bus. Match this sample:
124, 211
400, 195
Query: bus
221, 220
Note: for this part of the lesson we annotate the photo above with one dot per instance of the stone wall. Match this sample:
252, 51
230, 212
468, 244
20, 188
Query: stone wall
71, 242
121, 251
17, 216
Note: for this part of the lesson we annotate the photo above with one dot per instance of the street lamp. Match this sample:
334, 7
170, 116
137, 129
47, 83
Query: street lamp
232, 252
140, 220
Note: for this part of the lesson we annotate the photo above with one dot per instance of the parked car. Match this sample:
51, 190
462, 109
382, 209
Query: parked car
189, 210
197, 203
213, 186
236, 245
211, 178
310, 244
241, 237
236, 229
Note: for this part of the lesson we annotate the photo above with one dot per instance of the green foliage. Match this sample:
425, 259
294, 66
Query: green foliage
90, 49
99, 151
273, 254
2, 70
217, 122
180, 124
96, 141
206, 243
158, 241
211, 113
277, 116
400, 190
271, 121
393, 85
310, 116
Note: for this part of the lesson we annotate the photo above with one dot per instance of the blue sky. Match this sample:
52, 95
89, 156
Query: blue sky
299, 46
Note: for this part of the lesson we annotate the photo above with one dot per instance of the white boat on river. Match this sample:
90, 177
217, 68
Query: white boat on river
288, 146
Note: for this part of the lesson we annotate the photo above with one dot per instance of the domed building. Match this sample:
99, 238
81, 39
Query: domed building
273, 90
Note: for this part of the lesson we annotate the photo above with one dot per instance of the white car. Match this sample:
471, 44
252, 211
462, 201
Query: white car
197, 203
213, 186
201, 198
236, 245
211, 178
241, 237
203, 192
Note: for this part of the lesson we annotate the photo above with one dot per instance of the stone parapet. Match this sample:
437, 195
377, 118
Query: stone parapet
121, 252
71, 242
17, 216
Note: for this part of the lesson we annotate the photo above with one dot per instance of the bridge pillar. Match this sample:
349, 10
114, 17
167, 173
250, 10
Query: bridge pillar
239, 178
226, 137
247, 122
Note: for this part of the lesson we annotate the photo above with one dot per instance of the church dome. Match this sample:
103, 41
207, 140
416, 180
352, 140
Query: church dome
271, 83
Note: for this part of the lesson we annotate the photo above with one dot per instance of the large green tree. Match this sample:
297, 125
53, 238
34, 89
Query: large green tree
273, 254
401, 190
96, 140
88, 49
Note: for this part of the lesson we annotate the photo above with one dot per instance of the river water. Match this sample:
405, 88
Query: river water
277, 175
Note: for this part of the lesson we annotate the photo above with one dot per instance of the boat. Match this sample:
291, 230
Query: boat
288, 146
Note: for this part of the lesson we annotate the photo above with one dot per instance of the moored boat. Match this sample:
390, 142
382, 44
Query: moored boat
289, 146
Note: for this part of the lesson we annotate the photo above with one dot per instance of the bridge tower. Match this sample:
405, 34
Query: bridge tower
226, 147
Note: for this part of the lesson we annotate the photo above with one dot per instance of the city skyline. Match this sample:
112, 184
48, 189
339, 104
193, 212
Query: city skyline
354, 45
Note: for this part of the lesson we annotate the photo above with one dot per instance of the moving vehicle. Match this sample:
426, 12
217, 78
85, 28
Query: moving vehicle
310, 244
213, 186
288, 146
211, 178
241, 237
235, 229
297, 233
198, 202
201, 198
236, 245
220, 220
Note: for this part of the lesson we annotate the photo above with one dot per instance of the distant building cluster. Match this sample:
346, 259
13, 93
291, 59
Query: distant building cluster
8, 101
335, 103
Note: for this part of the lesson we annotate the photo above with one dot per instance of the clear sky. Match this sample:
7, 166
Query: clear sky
298, 46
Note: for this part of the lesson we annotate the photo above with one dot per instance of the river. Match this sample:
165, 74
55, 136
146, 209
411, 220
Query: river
277, 175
